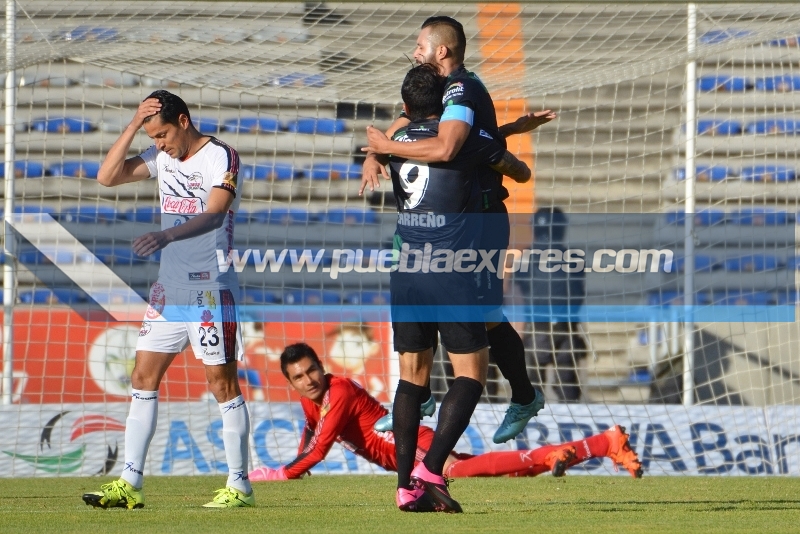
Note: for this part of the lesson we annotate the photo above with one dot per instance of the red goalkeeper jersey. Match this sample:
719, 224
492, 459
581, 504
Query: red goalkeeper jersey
346, 416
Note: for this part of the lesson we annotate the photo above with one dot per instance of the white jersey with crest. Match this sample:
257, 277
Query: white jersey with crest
184, 188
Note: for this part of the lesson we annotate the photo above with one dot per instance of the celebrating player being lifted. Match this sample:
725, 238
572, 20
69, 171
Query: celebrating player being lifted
192, 302
469, 107
338, 410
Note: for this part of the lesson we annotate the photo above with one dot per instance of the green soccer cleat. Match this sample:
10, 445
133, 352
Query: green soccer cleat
517, 417
386, 423
117, 494
229, 497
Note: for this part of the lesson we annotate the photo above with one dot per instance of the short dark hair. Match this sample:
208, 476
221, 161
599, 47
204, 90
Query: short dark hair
460, 44
422, 91
172, 107
296, 352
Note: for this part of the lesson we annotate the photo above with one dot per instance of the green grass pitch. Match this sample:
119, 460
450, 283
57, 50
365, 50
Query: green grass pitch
574, 504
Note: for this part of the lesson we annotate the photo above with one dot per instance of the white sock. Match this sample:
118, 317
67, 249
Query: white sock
235, 436
139, 429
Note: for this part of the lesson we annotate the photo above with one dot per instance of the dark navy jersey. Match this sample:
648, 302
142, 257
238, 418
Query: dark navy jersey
433, 200
467, 99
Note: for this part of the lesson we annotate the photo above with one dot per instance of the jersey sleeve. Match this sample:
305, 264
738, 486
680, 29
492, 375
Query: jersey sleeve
149, 157
333, 418
226, 169
458, 102
481, 148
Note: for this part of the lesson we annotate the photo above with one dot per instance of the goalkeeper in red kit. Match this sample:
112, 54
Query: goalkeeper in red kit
339, 410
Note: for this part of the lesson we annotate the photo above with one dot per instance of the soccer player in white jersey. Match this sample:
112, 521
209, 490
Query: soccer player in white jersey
192, 302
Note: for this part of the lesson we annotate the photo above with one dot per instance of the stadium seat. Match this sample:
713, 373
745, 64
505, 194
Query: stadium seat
62, 125
283, 216
788, 298
269, 171
116, 296
723, 83
317, 126
752, 263
299, 79
793, 263
252, 125
784, 83
707, 173
312, 296
75, 169
118, 255
675, 298
242, 217
25, 169
57, 296
760, 217
89, 214
742, 298
768, 173
368, 297
109, 78
207, 125
788, 41
350, 216
334, 171
260, 296
774, 126
86, 33
702, 264
32, 256
701, 218
718, 127
720, 36
144, 214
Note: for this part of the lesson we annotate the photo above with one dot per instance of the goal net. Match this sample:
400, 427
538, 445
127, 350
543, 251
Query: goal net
292, 87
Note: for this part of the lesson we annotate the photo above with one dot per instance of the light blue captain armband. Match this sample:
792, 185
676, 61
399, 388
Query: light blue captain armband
458, 113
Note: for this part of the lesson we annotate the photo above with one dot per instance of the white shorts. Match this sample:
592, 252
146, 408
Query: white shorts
206, 318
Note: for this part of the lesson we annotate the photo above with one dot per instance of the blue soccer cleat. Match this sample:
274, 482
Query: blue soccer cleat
386, 423
517, 417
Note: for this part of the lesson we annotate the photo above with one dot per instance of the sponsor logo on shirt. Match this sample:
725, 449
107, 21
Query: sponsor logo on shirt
157, 301
146, 327
485, 134
207, 318
173, 204
210, 300
199, 276
455, 89
195, 181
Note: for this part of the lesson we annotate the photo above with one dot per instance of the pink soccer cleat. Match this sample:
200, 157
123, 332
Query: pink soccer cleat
436, 488
414, 500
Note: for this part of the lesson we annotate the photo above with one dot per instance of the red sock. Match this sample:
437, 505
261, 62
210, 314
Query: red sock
592, 447
513, 463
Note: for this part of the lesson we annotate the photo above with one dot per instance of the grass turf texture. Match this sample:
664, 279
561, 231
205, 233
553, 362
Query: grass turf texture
366, 504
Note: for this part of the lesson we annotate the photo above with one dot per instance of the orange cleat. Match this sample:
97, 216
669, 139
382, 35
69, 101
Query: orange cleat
620, 451
559, 460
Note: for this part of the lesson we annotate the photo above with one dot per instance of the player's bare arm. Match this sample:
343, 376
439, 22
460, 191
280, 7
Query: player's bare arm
116, 169
442, 148
527, 123
375, 165
219, 202
512, 167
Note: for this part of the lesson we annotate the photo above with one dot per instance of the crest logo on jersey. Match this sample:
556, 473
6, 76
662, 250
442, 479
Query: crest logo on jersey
229, 179
194, 181
185, 206
414, 178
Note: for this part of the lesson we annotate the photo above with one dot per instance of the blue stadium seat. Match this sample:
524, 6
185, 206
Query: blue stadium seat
701, 218
718, 127
31, 210
118, 255
317, 126
707, 173
793, 41
743, 298
788, 298
283, 216
269, 171
760, 217
702, 264
207, 125
252, 125
32, 256
144, 214
242, 217
260, 296
75, 169
350, 216
768, 173
312, 296
334, 171
62, 125
774, 126
300, 79
87, 33
675, 298
720, 36
752, 263
24, 169
793, 263
368, 297
783, 83
723, 83
89, 214
57, 296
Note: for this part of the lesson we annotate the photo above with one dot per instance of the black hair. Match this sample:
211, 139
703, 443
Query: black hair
422, 91
461, 38
296, 352
172, 107
549, 225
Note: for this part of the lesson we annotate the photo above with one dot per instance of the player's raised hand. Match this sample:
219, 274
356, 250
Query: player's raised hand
378, 142
148, 108
264, 474
369, 174
150, 243
528, 122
